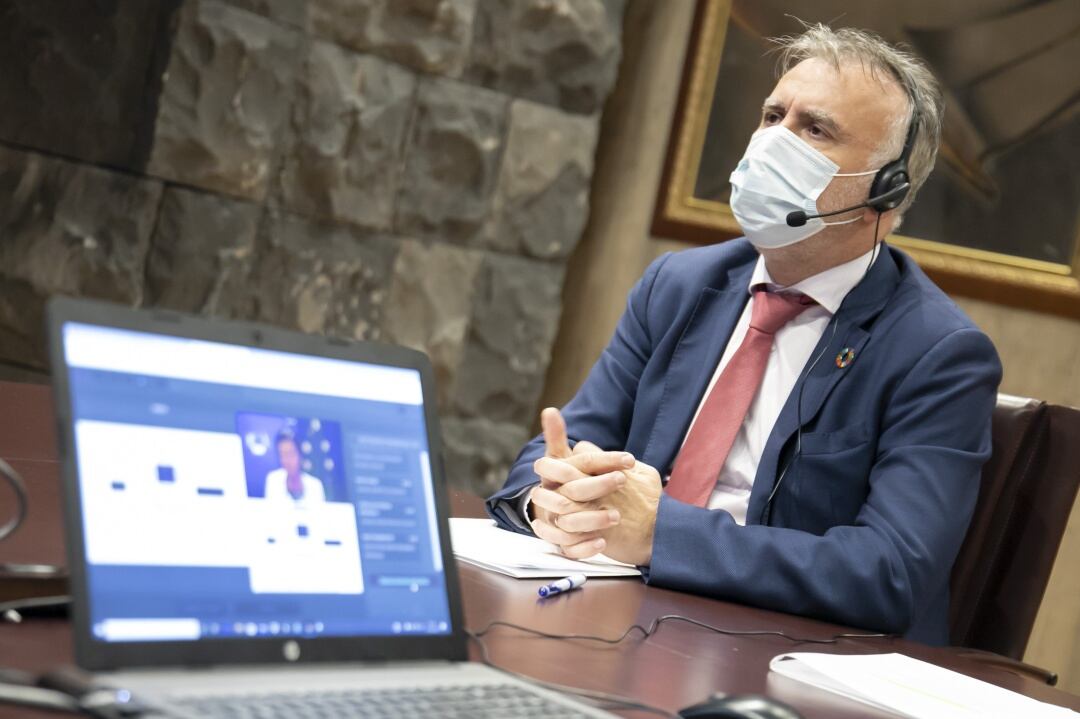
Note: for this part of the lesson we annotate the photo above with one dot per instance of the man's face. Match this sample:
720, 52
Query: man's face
289, 456
846, 115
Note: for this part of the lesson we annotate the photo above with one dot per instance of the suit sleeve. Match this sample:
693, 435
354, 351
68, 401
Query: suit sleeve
602, 409
881, 571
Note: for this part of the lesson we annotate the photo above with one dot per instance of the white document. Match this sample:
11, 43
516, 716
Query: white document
304, 549
911, 688
162, 496
480, 542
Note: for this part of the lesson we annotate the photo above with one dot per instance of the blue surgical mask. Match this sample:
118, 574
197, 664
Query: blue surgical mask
779, 174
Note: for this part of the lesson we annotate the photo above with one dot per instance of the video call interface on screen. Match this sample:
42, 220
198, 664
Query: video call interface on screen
229, 491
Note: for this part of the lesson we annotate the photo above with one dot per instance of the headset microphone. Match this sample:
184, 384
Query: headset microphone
799, 218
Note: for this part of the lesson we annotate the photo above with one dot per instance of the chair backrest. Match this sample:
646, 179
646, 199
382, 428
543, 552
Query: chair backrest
1027, 492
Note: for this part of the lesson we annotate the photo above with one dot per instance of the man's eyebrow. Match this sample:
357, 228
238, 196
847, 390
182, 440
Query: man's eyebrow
820, 117
772, 104
809, 116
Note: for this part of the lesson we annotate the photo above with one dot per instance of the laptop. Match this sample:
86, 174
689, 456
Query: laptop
257, 523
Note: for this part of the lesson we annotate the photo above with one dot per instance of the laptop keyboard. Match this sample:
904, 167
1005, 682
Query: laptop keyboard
497, 701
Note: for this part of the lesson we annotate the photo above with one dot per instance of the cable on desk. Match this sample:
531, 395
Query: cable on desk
647, 632
602, 700
19, 487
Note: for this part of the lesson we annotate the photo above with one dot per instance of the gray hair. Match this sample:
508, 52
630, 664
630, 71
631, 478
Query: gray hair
924, 97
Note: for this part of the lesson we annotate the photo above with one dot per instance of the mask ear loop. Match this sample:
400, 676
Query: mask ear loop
842, 222
856, 174
854, 219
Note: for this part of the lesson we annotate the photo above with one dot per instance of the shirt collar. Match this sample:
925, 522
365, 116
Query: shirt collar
828, 288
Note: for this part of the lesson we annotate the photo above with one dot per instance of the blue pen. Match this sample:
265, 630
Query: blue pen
562, 585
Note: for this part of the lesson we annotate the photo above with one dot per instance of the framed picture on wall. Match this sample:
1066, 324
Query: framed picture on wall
999, 219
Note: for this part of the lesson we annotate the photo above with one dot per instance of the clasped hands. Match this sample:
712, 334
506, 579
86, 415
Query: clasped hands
591, 501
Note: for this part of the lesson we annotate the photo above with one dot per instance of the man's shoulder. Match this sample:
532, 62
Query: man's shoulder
315, 486
709, 262
920, 316
681, 276
921, 304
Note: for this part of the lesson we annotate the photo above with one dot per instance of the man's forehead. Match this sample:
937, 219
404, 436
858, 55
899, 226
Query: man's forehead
850, 92
849, 74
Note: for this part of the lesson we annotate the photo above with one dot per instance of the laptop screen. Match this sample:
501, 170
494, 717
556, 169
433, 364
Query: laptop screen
229, 491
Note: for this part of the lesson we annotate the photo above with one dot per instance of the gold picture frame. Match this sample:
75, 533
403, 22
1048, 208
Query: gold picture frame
680, 213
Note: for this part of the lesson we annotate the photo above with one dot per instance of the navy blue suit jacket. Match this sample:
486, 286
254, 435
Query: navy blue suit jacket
867, 522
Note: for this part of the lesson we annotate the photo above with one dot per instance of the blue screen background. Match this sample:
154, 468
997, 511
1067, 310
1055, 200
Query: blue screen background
376, 447
321, 438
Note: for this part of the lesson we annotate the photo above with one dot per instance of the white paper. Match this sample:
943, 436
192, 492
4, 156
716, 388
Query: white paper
910, 687
480, 542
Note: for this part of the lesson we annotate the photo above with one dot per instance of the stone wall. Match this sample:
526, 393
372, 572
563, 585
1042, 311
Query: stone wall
412, 171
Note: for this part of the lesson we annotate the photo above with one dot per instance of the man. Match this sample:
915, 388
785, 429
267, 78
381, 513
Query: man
290, 481
820, 411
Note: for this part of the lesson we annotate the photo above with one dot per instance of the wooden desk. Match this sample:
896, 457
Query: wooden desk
679, 665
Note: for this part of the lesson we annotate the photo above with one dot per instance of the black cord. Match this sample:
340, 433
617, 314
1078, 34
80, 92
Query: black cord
802, 380
597, 697
646, 632
19, 487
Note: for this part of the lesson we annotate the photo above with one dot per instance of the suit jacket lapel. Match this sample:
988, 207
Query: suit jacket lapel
853, 321
694, 361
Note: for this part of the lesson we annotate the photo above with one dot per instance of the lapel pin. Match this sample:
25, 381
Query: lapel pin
846, 357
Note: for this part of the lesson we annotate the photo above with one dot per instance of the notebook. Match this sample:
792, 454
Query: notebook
481, 543
257, 522
910, 688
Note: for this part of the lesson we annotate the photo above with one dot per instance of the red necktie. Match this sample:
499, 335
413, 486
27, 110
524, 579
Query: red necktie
706, 448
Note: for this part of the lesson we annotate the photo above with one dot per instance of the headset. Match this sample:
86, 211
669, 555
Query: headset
893, 176
891, 185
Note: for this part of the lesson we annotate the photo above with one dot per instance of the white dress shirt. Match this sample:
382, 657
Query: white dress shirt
277, 487
791, 350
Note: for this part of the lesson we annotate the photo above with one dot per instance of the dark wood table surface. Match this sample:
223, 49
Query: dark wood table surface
679, 665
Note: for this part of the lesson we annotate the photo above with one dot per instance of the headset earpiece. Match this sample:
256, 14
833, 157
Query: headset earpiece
895, 173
